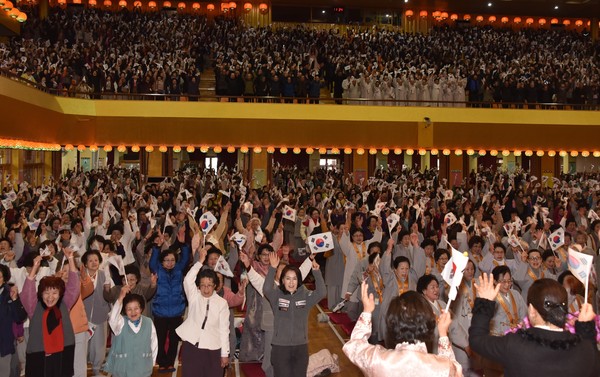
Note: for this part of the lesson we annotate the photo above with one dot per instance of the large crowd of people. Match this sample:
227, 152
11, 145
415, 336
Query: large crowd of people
160, 262
99, 54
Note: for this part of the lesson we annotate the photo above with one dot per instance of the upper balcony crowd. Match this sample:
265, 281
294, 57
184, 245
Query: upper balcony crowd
99, 54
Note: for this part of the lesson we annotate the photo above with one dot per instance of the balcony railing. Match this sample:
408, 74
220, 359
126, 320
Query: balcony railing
301, 100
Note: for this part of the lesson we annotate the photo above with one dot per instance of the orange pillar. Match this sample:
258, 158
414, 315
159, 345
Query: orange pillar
360, 165
456, 170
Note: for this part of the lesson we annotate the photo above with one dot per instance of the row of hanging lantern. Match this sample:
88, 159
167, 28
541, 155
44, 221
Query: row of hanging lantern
225, 6
360, 151
12, 11
442, 16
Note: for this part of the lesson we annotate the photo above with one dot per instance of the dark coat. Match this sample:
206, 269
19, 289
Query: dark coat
535, 351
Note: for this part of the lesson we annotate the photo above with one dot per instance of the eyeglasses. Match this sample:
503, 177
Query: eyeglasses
506, 281
206, 286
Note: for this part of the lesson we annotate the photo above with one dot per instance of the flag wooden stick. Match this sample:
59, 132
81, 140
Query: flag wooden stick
448, 304
587, 284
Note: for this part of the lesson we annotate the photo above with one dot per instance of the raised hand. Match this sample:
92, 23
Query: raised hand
242, 286
274, 259
68, 252
202, 254
124, 291
368, 300
444, 321
245, 260
586, 313
37, 262
14, 293
486, 289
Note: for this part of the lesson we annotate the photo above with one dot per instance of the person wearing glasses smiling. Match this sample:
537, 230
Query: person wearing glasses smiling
169, 303
205, 331
529, 269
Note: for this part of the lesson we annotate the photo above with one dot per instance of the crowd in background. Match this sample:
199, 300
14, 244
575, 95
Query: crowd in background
88, 52
499, 218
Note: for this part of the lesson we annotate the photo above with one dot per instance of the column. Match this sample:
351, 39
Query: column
360, 165
371, 165
426, 161
258, 168
382, 161
154, 162
168, 162
348, 162
56, 164
44, 9
456, 170
565, 164
548, 167
444, 171
314, 161
535, 165
408, 160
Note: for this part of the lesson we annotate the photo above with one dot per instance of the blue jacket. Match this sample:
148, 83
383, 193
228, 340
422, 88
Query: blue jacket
10, 311
169, 300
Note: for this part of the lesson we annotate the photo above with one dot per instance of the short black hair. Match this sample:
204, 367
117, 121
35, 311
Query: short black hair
86, 255
264, 246
133, 270
547, 254
209, 274
164, 253
499, 271
372, 245
474, 240
214, 250
500, 245
424, 282
132, 297
401, 259
428, 242
439, 252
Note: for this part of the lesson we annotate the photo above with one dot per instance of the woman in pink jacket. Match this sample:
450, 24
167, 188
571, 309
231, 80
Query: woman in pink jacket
410, 325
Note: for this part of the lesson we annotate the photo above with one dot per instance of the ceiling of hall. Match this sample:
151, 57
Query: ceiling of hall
566, 8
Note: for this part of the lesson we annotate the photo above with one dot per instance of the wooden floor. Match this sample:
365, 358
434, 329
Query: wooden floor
320, 335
